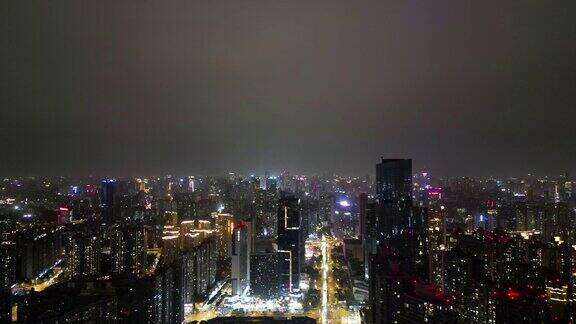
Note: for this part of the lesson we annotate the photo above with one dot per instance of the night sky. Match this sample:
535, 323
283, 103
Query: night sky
205, 87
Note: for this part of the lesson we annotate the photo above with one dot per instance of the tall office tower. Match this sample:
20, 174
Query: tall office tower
240, 257
326, 204
344, 218
272, 184
394, 193
264, 274
107, 195
128, 249
265, 207
290, 242
394, 235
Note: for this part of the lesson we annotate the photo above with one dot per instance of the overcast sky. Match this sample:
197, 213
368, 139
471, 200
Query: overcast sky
152, 87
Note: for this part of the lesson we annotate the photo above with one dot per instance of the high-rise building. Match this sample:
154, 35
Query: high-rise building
240, 257
290, 242
205, 266
82, 252
394, 193
326, 206
128, 249
264, 274
399, 234
107, 196
38, 249
345, 218
224, 226
265, 207
436, 246
271, 183
368, 209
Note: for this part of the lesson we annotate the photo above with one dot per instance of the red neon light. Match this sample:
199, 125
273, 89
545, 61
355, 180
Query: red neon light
512, 294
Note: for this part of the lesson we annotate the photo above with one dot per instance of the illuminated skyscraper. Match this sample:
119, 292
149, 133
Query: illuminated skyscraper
264, 274
240, 255
265, 206
290, 242
344, 219
436, 246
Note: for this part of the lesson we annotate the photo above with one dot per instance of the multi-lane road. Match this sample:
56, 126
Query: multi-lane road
331, 311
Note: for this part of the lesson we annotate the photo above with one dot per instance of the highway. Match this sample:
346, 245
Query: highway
330, 310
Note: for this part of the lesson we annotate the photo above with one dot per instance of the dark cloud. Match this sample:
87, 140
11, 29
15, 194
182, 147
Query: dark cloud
125, 87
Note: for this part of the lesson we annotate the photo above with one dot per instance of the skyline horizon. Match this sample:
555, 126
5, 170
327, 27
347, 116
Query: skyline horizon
276, 173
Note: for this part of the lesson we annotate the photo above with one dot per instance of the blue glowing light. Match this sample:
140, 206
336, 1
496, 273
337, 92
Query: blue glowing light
344, 203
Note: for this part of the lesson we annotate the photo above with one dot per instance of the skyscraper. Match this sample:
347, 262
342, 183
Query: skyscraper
264, 276
107, 195
128, 249
290, 242
394, 239
394, 193
240, 254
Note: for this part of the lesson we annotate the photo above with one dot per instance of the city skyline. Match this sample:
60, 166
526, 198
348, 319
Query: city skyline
398, 246
301, 162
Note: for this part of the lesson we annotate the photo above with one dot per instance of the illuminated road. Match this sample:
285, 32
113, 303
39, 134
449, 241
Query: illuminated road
41, 284
324, 311
331, 311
